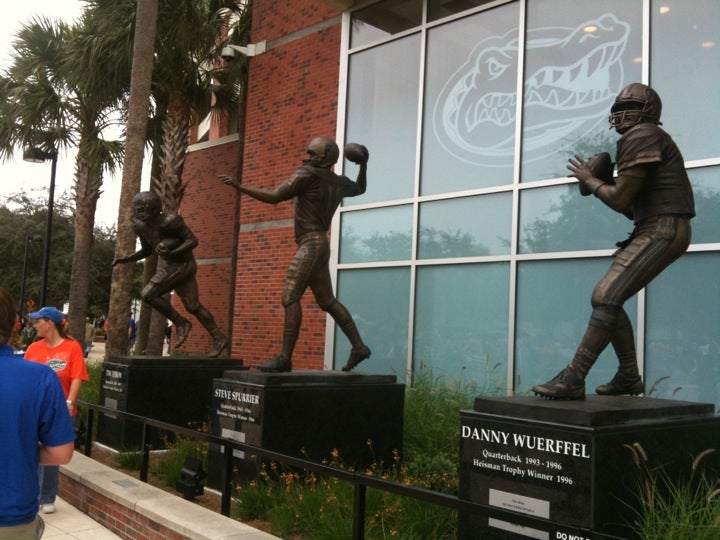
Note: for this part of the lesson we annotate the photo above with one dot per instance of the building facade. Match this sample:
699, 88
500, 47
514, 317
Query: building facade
471, 256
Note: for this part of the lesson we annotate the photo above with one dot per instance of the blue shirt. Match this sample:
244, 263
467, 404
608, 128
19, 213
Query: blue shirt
32, 410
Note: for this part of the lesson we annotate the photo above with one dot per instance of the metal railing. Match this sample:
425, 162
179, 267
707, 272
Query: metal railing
359, 481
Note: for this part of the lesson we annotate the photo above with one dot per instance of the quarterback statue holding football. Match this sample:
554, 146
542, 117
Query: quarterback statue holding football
652, 188
317, 191
173, 241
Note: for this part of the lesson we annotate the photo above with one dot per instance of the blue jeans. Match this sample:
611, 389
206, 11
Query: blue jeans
49, 478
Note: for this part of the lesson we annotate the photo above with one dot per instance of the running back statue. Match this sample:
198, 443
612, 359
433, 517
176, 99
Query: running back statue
173, 241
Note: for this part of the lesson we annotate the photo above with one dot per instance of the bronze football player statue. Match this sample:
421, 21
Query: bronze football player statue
173, 241
317, 191
652, 188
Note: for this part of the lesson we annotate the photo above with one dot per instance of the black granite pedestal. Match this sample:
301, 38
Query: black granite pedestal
306, 414
574, 464
175, 389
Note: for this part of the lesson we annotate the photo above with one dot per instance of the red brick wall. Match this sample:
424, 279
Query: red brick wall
292, 97
209, 209
121, 520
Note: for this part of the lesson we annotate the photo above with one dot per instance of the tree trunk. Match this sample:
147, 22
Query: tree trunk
156, 335
170, 186
87, 191
145, 309
141, 78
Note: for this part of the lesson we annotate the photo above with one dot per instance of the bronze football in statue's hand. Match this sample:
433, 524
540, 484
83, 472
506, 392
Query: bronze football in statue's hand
357, 153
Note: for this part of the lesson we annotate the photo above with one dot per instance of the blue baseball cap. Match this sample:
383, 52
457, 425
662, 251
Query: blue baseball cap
54, 314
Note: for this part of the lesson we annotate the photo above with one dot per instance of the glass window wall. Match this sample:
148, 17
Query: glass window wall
685, 44
467, 227
378, 300
470, 116
682, 338
578, 56
461, 323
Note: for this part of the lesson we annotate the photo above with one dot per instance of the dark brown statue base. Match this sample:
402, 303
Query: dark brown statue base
173, 389
571, 469
309, 415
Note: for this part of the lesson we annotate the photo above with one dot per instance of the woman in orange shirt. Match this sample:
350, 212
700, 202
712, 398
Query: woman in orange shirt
57, 349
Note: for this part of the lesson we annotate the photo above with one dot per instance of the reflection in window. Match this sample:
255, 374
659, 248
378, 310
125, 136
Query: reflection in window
437, 9
579, 55
379, 301
706, 189
384, 19
383, 234
682, 348
467, 227
461, 323
685, 40
553, 309
558, 218
382, 115
469, 117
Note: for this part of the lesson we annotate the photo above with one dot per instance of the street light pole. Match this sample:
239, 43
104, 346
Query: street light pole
36, 155
29, 238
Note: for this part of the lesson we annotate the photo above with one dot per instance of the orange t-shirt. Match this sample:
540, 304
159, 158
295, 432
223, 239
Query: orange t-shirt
66, 360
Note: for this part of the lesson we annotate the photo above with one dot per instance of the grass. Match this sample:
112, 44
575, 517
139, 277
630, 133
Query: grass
672, 509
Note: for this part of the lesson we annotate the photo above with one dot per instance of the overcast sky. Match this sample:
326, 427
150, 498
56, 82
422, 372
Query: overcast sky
17, 175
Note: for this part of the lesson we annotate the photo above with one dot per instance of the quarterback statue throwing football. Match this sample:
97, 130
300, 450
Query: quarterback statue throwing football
173, 241
652, 188
317, 191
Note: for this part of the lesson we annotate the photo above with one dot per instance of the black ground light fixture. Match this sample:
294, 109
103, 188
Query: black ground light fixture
36, 155
192, 478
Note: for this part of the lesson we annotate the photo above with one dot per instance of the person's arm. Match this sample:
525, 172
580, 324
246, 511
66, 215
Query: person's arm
361, 179
618, 196
143, 252
73, 393
270, 196
57, 455
188, 240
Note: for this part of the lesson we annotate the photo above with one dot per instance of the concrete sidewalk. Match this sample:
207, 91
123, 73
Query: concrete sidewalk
68, 522
97, 353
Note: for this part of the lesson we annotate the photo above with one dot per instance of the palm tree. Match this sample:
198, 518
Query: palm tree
46, 111
142, 62
190, 82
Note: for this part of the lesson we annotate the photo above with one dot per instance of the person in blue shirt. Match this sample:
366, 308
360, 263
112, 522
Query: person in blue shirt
35, 428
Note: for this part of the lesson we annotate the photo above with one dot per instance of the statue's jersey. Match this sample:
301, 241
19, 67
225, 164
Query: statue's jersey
667, 188
319, 192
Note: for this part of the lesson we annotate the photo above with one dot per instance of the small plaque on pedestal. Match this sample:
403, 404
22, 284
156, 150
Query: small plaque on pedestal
572, 462
307, 414
174, 389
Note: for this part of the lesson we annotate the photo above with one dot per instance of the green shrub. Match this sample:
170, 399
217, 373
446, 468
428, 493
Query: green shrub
169, 463
687, 509
128, 460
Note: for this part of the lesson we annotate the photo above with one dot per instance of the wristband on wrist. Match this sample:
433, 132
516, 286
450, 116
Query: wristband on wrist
69, 402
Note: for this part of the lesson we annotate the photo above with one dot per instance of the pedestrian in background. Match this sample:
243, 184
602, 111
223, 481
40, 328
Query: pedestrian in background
58, 350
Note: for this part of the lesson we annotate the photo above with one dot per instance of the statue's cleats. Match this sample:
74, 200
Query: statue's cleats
357, 355
568, 384
220, 343
621, 385
183, 329
277, 364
